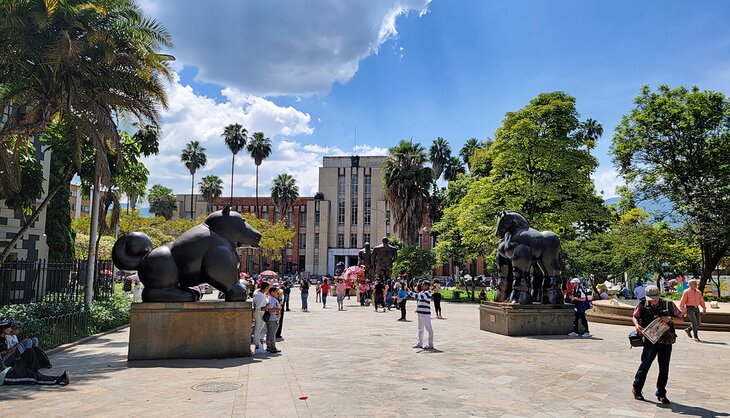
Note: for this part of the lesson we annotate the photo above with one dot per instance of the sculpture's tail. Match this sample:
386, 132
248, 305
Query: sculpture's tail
130, 249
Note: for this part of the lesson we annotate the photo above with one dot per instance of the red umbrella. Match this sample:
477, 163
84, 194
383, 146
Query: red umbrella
245, 275
268, 273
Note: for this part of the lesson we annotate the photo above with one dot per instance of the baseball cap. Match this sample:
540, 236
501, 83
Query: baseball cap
652, 292
575, 280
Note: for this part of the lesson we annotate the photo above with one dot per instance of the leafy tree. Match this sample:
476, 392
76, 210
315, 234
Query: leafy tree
235, 136
193, 156
162, 201
274, 235
480, 160
211, 188
591, 131
468, 150
439, 154
675, 144
260, 148
454, 167
284, 193
413, 261
59, 235
406, 181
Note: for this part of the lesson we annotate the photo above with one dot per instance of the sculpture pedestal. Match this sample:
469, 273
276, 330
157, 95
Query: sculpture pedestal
190, 330
520, 320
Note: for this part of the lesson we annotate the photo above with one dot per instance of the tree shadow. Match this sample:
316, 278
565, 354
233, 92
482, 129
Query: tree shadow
697, 411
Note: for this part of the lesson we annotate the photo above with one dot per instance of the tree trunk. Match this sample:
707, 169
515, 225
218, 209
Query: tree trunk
93, 236
233, 162
64, 182
258, 215
710, 258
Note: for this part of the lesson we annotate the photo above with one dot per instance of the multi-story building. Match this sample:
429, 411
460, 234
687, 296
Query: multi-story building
80, 206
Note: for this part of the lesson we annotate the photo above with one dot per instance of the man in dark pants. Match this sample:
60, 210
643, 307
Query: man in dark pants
646, 311
579, 297
287, 292
19, 366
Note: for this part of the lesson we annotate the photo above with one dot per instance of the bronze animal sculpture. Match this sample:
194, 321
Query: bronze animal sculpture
528, 261
205, 253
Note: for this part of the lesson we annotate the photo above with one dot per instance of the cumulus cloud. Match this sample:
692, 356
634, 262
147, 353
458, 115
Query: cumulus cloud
279, 47
606, 181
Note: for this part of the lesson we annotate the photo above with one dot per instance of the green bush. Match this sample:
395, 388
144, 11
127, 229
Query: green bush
678, 296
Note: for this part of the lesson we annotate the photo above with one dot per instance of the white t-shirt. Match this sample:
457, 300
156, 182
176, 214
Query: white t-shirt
11, 340
273, 303
259, 301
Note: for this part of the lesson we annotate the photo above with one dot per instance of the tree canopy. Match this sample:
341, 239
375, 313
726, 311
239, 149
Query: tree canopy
162, 201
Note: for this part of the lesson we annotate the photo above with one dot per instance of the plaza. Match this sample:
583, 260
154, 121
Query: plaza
360, 363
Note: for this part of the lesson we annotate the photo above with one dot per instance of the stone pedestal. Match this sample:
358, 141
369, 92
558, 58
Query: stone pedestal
189, 330
516, 320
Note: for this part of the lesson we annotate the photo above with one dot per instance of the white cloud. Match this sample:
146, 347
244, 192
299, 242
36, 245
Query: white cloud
370, 150
606, 181
279, 47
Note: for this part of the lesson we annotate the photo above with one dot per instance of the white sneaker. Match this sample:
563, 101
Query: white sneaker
260, 351
573, 334
586, 334
418, 346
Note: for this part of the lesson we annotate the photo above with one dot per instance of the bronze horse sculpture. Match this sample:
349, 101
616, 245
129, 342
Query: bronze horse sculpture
528, 261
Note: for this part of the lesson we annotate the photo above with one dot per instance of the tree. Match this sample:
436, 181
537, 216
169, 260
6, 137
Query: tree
406, 181
235, 136
413, 261
211, 188
454, 167
439, 154
591, 131
193, 156
284, 193
162, 201
260, 148
468, 150
274, 235
59, 235
675, 144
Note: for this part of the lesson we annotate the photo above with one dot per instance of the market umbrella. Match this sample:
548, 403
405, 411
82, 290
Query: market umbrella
268, 273
244, 275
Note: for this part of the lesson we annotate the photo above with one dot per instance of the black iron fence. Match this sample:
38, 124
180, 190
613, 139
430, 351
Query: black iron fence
23, 281
62, 329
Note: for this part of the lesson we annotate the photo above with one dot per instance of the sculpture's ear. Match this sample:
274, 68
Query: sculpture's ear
227, 210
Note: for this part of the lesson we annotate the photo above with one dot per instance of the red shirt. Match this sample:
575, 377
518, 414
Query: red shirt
325, 288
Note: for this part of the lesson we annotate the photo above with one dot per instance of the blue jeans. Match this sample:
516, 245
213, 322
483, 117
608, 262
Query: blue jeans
388, 295
305, 296
324, 299
651, 351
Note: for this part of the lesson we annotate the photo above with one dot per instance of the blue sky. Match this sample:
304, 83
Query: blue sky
311, 74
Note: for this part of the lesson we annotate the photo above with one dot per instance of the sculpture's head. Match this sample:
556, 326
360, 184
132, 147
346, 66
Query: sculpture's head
233, 227
510, 222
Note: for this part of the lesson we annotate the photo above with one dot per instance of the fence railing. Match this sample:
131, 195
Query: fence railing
23, 281
62, 329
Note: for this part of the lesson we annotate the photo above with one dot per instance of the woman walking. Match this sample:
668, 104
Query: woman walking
437, 297
690, 305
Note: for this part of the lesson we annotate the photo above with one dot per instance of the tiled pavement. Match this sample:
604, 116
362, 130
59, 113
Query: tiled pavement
360, 363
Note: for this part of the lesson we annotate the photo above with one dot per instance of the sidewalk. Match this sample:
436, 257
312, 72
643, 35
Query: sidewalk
360, 363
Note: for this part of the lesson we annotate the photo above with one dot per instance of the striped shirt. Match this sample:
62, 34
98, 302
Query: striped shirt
423, 300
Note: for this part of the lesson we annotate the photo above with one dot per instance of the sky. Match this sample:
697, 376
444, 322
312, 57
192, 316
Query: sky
329, 77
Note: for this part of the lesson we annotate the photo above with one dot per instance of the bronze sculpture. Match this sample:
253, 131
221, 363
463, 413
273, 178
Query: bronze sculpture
205, 253
365, 259
383, 258
528, 262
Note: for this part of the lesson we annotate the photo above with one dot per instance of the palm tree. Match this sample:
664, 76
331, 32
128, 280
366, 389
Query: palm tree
284, 192
162, 201
591, 130
235, 136
260, 148
468, 149
439, 153
406, 181
454, 167
211, 188
193, 156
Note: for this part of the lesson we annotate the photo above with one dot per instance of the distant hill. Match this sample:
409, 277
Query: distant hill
656, 208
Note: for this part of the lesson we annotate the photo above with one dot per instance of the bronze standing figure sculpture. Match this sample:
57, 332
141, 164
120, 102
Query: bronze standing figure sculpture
365, 259
383, 258
528, 262
205, 253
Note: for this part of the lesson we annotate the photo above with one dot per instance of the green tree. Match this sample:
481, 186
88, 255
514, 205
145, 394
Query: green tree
274, 235
406, 181
162, 201
235, 136
193, 156
675, 144
211, 188
413, 261
439, 154
59, 235
454, 167
260, 149
468, 150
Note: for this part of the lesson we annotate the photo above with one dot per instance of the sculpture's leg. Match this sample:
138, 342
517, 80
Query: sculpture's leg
521, 262
537, 277
504, 282
220, 270
555, 292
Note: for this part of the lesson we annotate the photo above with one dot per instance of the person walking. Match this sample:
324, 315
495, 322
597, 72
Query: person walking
379, 295
401, 299
389, 288
646, 311
272, 322
689, 305
580, 305
436, 291
287, 292
423, 309
362, 290
325, 290
260, 300
318, 295
340, 290
304, 290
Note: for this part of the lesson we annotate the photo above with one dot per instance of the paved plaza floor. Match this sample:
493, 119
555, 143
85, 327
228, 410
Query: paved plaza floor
360, 363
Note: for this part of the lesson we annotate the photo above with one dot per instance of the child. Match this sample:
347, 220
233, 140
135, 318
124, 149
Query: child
340, 289
272, 324
318, 296
423, 309
325, 291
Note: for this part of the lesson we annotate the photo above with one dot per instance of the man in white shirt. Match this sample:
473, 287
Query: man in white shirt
259, 305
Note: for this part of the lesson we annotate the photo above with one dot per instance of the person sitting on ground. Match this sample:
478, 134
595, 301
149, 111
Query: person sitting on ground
11, 340
20, 366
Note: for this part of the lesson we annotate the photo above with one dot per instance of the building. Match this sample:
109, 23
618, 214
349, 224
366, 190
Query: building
80, 206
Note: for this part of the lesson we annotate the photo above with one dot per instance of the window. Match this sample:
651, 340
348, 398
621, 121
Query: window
341, 212
353, 184
84, 208
302, 216
367, 211
316, 213
74, 193
290, 218
302, 241
341, 186
316, 240
340, 240
353, 211
387, 217
353, 240
368, 199
265, 212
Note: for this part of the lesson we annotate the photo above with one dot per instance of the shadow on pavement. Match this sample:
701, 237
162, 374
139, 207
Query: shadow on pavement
194, 363
713, 342
695, 411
